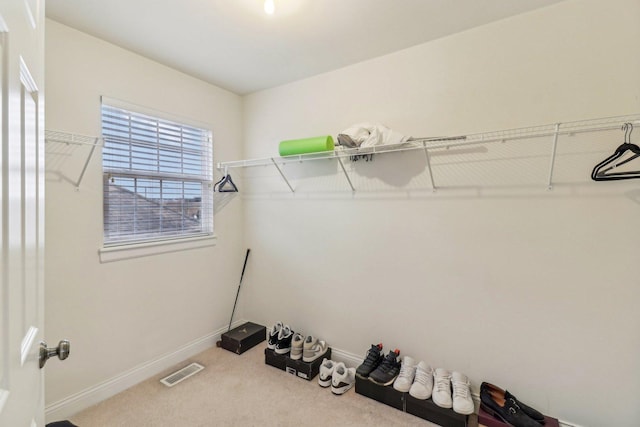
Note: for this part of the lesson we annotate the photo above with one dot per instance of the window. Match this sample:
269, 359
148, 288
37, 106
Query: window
157, 178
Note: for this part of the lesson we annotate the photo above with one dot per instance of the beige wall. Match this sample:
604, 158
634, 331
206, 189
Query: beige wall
123, 315
530, 289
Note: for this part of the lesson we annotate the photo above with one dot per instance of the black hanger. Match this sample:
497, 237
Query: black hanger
225, 185
601, 172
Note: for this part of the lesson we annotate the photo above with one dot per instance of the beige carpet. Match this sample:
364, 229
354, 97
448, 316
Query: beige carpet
239, 390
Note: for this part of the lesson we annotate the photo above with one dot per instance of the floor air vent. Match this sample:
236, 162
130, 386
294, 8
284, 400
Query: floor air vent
181, 374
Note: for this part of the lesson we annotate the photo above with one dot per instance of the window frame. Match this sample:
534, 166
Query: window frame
140, 245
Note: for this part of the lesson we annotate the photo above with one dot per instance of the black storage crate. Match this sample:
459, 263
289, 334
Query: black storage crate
274, 359
404, 402
244, 337
429, 411
306, 370
384, 394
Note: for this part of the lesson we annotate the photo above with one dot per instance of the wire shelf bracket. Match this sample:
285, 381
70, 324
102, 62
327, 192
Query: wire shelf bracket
52, 136
426, 153
553, 156
282, 175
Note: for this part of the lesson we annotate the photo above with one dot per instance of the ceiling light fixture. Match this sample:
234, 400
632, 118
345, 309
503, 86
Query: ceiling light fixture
269, 7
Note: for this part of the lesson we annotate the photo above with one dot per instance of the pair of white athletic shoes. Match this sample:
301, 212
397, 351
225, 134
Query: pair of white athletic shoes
336, 375
446, 389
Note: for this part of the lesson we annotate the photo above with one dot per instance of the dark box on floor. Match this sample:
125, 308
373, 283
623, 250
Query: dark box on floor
428, 410
385, 394
424, 409
306, 370
274, 359
244, 337
486, 420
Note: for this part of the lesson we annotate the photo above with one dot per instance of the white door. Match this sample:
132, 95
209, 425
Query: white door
22, 214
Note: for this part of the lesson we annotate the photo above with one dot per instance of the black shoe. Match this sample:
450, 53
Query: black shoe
496, 404
371, 361
273, 335
388, 370
498, 392
283, 345
532, 413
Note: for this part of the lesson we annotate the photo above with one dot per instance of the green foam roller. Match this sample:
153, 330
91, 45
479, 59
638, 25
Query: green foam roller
306, 145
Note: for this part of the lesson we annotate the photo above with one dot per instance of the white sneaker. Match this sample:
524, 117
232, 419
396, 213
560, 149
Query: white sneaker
406, 375
296, 346
342, 379
313, 349
462, 402
326, 371
442, 388
423, 383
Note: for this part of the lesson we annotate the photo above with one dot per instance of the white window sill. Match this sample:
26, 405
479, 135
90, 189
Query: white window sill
137, 250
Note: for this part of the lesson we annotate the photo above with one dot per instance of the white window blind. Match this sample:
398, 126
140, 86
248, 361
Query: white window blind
157, 178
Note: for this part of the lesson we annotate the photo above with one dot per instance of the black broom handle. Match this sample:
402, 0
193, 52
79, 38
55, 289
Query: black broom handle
246, 257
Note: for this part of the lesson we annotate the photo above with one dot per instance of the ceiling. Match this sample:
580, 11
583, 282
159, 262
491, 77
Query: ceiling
235, 45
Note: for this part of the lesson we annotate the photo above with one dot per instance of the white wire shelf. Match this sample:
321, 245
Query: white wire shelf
59, 137
414, 144
553, 131
70, 138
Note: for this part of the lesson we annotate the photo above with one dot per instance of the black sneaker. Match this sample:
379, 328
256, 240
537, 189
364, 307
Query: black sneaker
371, 361
283, 345
388, 370
272, 335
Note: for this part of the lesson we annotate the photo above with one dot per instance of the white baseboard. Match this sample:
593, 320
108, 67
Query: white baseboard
65, 408
349, 359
